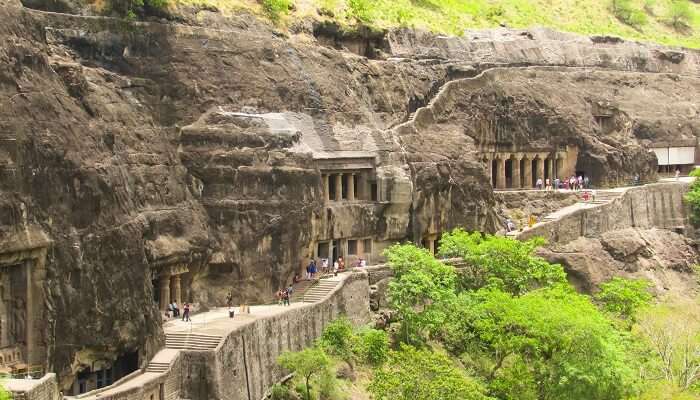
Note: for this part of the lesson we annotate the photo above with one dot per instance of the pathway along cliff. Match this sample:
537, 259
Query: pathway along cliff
144, 163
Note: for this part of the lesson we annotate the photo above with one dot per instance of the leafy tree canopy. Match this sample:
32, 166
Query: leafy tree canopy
500, 262
412, 374
624, 297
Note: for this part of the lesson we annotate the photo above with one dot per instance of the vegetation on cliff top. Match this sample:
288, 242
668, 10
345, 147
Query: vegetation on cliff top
671, 22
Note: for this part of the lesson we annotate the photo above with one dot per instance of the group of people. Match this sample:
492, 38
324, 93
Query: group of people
571, 183
312, 269
173, 311
283, 295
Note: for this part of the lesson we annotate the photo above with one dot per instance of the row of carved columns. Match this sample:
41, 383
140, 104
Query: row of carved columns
354, 183
524, 169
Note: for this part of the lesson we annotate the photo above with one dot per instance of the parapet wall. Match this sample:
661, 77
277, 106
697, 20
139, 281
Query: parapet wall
45, 388
658, 205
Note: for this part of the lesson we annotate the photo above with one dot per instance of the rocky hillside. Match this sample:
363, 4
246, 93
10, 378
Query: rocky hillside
141, 146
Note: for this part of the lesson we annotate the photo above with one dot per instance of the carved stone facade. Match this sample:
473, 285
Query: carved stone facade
522, 170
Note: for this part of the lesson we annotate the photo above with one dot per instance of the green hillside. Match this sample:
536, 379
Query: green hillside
672, 22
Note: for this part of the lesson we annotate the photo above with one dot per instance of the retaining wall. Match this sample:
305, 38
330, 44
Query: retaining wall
658, 205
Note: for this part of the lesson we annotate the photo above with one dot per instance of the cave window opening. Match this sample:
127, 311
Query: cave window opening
494, 172
355, 186
367, 246
352, 247
344, 186
322, 250
331, 187
374, 191
509, 173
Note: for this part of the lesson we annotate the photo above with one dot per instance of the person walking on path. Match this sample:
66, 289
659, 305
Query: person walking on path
186, 313
586, 182
285, 298
556, 183
539, 183
336, 267
678, 174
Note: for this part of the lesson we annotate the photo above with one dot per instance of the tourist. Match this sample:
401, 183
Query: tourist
636, 179
336, 267
547, 184
538, 184
285, 298
176, 310
169, 311
296, 278
678, 174
572, 182
279, 297
580, 182
341, 264
324, 266
363, 263
314, 270
556, 183
290, 290
231, 311
586, 182
186, 313
308, 272
229, 299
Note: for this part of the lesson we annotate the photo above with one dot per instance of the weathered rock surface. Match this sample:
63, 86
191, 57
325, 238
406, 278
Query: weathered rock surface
665, 258
136, 147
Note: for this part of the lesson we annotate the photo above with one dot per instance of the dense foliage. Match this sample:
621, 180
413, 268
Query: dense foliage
693, 197
413, 374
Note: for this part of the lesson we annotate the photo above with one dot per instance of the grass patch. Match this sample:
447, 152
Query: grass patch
670, 22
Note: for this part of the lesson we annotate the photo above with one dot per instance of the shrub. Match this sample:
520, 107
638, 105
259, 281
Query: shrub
360, 10
127, 8
373, 346
680, 13
280, 392
625, 12
624, 296
337, 340
276, 8
305, 364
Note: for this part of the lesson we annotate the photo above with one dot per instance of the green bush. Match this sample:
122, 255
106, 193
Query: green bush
627, 13
373, 346
693, 198
276, 8
128, 8
680, 14
624, 296
280, 392
360, 10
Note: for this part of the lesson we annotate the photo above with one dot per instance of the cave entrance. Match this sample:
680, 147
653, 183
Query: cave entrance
494, 172
533, 168
14, 303
509, 173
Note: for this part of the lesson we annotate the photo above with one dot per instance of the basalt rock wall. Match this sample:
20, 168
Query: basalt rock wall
134, 147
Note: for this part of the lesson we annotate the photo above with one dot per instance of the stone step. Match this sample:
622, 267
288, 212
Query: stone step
157, 367
187, 341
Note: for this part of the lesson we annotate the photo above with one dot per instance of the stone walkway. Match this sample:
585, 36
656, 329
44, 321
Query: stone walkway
214, 322
585, 205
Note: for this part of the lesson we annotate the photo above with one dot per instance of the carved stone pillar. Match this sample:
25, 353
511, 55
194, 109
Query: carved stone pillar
175, 289
338, 187
351, 187
501, 173
515, 176
326, 188
164, 282
550, 168
527, 173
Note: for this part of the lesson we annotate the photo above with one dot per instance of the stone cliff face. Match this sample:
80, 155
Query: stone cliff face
162, 161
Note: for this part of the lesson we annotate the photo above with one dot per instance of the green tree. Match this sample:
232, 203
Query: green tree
553, 343
274, 9
412, 374
624, 297
4, 394
679, 13
500, 262
338, 340
373, 346
693, 197
306, 364
626, 12
420, 287
361, 10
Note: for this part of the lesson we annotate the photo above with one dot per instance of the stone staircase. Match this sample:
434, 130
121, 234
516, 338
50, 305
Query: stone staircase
605, 196
315, 292
157, 367
191, 341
